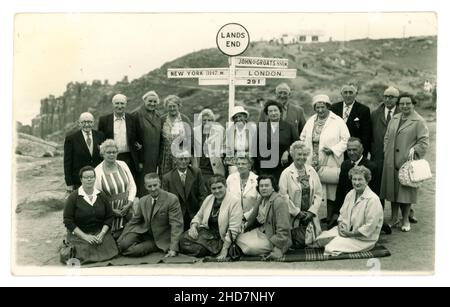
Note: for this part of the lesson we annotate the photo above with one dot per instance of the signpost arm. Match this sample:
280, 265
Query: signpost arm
232, 78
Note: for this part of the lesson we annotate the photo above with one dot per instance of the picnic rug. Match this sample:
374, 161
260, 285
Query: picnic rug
308, 254
316, 254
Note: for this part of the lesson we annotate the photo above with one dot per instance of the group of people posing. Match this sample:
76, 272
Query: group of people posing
145, 182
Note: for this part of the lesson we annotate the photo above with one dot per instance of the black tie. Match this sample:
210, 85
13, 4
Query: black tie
388, 117
152, 208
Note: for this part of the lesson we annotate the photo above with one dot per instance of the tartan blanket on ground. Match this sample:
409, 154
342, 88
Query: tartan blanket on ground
316, 254
301, 255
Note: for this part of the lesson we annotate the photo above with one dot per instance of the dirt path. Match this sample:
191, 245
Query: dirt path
37, 238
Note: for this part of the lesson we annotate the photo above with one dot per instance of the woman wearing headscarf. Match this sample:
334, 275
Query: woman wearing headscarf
114, 178
176, 133
327, 134
360, 218
150, 125
406, 138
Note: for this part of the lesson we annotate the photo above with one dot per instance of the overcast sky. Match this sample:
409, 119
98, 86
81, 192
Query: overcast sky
51, 50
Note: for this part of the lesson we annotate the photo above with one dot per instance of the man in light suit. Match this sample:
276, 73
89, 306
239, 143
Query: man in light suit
156, 225
292, 113
186, 182
356, 116
123, 129
81, 149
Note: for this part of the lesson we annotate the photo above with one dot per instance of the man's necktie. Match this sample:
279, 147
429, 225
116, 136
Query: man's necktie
183, 178
388, 117
346, 113
89, 142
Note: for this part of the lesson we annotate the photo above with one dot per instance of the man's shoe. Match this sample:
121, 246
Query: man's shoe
386, 229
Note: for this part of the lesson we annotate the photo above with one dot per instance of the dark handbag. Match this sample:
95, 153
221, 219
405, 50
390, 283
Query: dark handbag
206, 244
234, 251
66, 252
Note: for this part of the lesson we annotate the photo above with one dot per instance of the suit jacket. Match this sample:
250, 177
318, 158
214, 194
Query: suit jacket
295, 115
191, 195
286, 134
106, 125
150, 132
77, 155
358, 122
345, 184
379, 127
165, 222
277, 226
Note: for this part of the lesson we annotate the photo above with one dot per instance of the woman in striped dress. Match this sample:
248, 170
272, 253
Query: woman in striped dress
115, 179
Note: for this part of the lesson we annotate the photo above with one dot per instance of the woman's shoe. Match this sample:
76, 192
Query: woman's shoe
413, 220
406, 228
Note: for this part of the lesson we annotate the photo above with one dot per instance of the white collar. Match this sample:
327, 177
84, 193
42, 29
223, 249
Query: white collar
386, 110
359, 160
83, 193
349, 106
180, 172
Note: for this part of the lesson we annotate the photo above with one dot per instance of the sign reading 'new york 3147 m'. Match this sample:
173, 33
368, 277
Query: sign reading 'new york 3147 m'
232, 40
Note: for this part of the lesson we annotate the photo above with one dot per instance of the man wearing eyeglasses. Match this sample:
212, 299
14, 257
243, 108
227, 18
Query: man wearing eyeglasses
381, 117
81, 149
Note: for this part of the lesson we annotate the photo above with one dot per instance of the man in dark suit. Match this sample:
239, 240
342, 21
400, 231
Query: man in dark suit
356, 116
292, 113
187, 183
123, 129
355, 153
81, 149
156, 225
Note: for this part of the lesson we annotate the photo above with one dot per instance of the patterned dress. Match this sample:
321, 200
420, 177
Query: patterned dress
116, 187
171, 130
317, 131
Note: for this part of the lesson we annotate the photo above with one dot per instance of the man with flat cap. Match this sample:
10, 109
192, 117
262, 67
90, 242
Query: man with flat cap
122, 128
356, 116
150, 125
81, 149
292, 113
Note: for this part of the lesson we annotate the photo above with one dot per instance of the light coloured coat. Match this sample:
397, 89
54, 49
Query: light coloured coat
249, 196
290, 186
397, 144
230, 216
334, 135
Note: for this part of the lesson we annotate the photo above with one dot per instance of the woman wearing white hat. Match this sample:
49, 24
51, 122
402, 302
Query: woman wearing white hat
327, 134
241, 137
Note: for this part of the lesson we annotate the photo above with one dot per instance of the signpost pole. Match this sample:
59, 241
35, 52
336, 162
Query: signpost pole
232, 78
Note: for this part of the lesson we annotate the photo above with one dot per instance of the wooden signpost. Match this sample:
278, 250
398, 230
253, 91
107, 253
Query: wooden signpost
232, 40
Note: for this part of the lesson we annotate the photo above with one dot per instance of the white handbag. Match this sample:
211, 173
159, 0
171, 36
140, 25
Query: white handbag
414, 172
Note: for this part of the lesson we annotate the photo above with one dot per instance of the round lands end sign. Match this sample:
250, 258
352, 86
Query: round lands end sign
232, 39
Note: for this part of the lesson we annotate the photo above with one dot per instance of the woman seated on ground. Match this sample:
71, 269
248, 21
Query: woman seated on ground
115, 179
360, 219
271, 218
243, 184
88, 217
219, 216
302, 184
